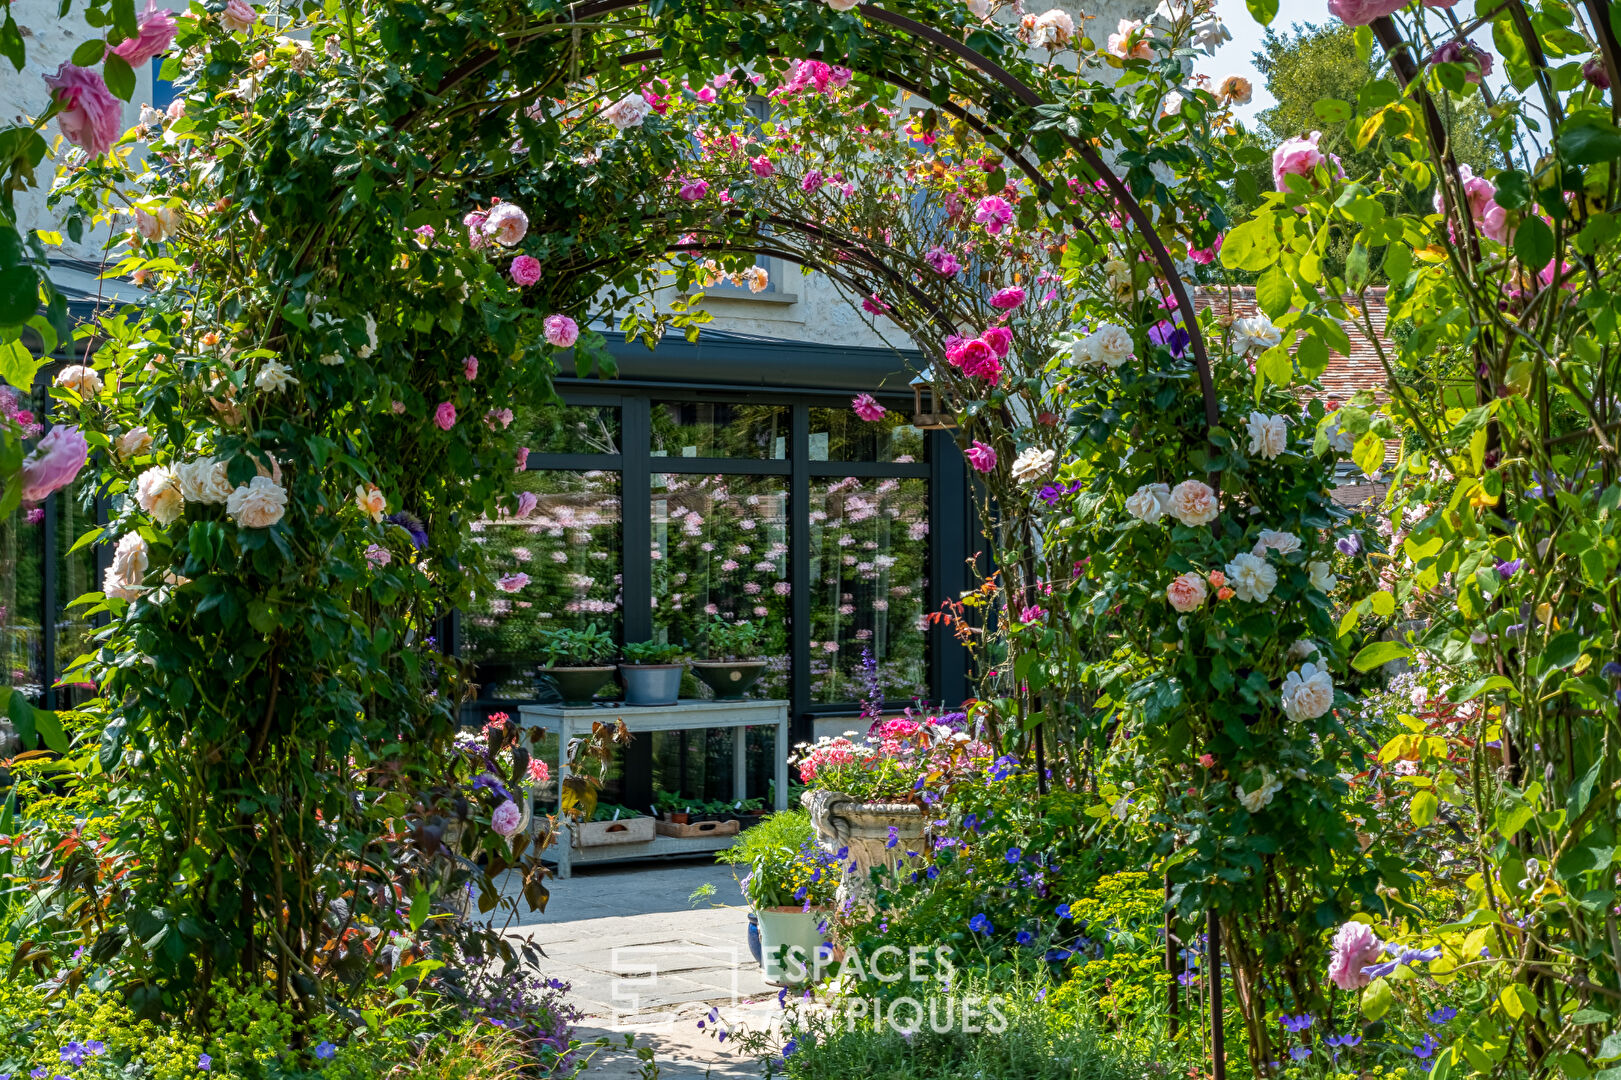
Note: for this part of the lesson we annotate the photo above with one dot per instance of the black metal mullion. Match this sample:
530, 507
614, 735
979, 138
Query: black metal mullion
689, 466
636, 573
576, 462
870, 470
949, 529
49, 614
799, 672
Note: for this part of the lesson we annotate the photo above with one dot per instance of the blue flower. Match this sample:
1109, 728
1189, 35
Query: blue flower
1426, 1047
1442, 1015
1058, 956
1300, 1053
1188, 978
1509, 567
1013, 854
789, 1047
894, 837
782, 998
1063, 911
979, 924
1344, 1040
325, 1051
1296, 1023
204, 1062
1024, 937
418, 532
971, 822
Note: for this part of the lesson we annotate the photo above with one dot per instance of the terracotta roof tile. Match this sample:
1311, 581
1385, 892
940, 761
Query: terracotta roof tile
1346, 375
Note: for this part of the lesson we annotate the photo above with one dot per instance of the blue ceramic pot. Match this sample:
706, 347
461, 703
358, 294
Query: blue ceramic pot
754, 939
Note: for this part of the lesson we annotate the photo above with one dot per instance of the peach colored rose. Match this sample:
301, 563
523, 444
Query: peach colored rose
1193, 503
1186, 592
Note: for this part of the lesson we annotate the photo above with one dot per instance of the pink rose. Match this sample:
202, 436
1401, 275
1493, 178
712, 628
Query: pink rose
474, 220
1000, 339
378, 556
1186, 592
511, 583
693, 190
90, 116
525, 270
874, 305
522, 459
988, 368
445, 416
993, 212
866, 406
527, 501
1007, 299
1477, 62
238, 17
501, 418
812, 182
981, 457
1297, 157
470, 368
506, 818
1355, 947
1363, 12
152, 39
54, 462
762, 166
561, 331
970, 353
1495, 224
1206, 256
942, 262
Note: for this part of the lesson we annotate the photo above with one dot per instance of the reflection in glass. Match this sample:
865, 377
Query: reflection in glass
841, 435
75, 575
569, 546
698, 764
869, 586
22, 601
720, 548
570, 429
710, 429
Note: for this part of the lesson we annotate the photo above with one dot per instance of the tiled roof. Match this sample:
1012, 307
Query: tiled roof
1346, 374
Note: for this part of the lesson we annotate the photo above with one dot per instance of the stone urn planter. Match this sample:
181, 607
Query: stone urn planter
862, 831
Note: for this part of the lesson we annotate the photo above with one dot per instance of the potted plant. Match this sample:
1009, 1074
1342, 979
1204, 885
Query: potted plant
731, 661
578, 662
652, 673
790, 885
671, 807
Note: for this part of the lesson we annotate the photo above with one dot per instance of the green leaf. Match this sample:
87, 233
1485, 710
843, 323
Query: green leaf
1610, 1048
421, 905
1423, 808
1384, 604
21, 712
89, 53
18, 366
1379, 653
19, 296
1376, 999
1533, 243
1513, 189
1274, 292
1252, 245
1517, 1000
1275, 367
1587, 139
120, 77
1263, 11
1369, 453
49, 726
1331, 110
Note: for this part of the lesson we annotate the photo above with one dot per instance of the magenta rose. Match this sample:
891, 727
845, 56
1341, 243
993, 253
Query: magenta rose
981, 457
525, 270
1300, 157
470, 368
693, 190
762, 166
970, 354
1362, 12
1477, 61
155, 34
522, 459
993, 212
445, 416
55, 461
866, 406
984, 367
1007, 299
561, 331
1000, 339
90, 115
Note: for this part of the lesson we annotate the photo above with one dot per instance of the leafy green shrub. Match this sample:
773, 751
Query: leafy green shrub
785, 865
652, 652
739, 640
576, 648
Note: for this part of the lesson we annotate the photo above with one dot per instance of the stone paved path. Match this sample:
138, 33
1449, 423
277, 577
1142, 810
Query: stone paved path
643, 959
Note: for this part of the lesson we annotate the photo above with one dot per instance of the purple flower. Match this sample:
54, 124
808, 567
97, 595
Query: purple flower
894, 837
325, 1051
1442, 1015
1509, 567
413, 527
1023, 937
1063, 911
1296, 1024
1343, 1040
979, 924
204, 1062
1299, 1053
1350, 545
1426, 1047
1013, 854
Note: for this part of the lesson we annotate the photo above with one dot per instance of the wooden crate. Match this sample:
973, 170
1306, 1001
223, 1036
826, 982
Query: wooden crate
697, 828
636, 830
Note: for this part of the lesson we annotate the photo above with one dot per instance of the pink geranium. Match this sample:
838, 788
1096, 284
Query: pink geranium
1355, 947
1000, 339
981, 457
154, 34
54, 463
525, 270
1007, 299
445, 416
561, 331
993, 212
90, 116
866, 406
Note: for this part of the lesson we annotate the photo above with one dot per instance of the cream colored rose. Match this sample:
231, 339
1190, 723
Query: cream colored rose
1033, 464
80, 379
330, 359
203, 481
1186, 592
258, 504
1251, 577
1254, 332
1193, 503
158, 493
628, 112
123, 577
758, 279
1053, 30
1307, 693
134, 442
1322, 576
1269, 435
1109, 345
1253, 801
157, 221
371, 338
274, 375
1341, 442
1276, 540
1236, 89
1149, 503
1302, 649
371, 501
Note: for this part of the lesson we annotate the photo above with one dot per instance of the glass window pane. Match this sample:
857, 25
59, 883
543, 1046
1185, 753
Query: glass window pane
841, 435
710, 429
869, 585
22, 601
570, 548
720, 548
571, 429
75, 576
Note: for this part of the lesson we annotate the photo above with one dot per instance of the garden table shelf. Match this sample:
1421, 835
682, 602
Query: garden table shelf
570, 722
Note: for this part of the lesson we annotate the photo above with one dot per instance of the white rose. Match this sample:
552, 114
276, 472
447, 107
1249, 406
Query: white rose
80, 379
979, 9
1254, 332
1252, 578
274, 375
1053, 29
371, 338
1302, 649
1121, 283
1209, 34
1149, 502
1341, 442
203, 481
1192, 502
158, 493
123, 577
1269, 435
1276, 540
1033, 464
1307, 693
1262, 795
507, 223
1322, 576
1108, 345
842, 5
330, 359
134, 442
1172, 104
628, 112
258, 504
